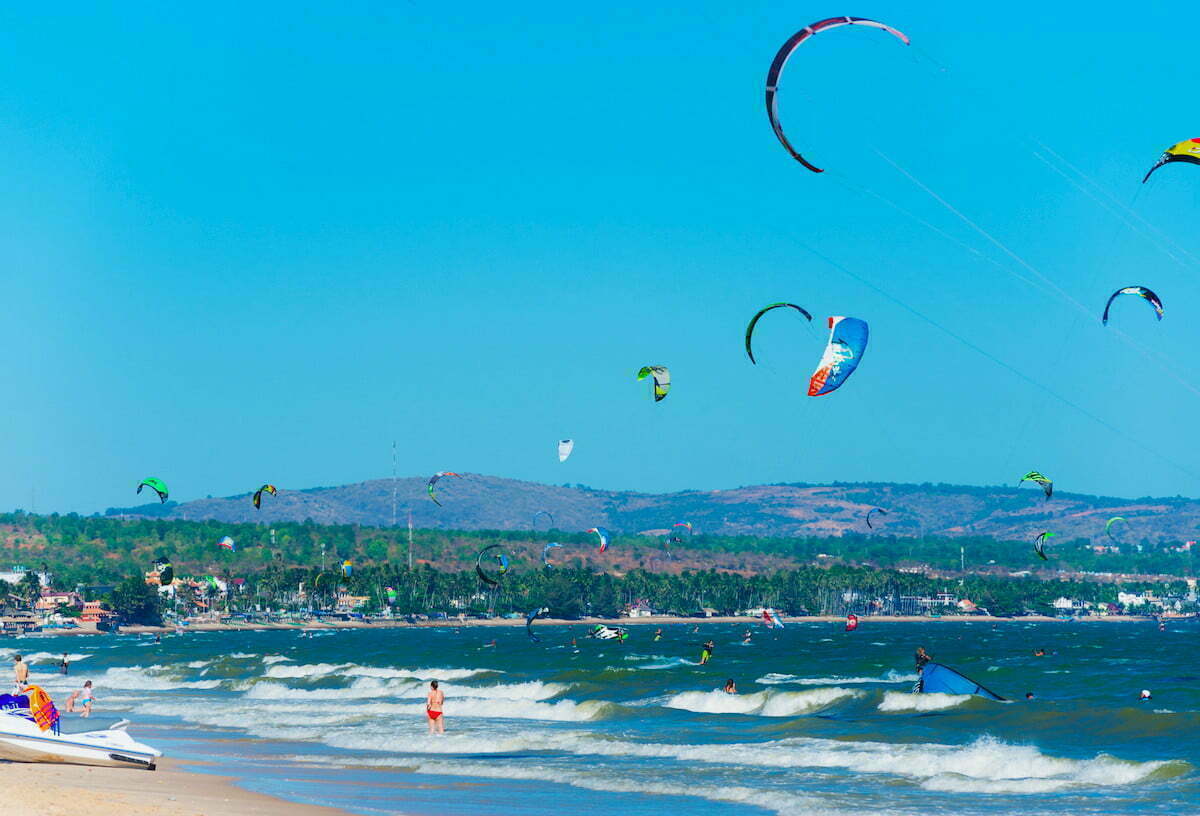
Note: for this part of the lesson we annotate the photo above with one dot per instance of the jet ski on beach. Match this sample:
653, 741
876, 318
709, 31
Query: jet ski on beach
30, 732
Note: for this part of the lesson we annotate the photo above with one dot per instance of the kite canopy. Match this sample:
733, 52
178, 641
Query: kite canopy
1039, 544
939, 679
157, 485
763, 311
1140, 291
677, 535
1034, 476
1186, 151
227, 543
529, 619
1108, 526
602, 534
851, 622
434, 479
501, 561
878, 510
347, 568
267, 488
847, 342
166, 572
565, 446
546, 553
771, 619
545, 513
662, 380
785, 53
391, 594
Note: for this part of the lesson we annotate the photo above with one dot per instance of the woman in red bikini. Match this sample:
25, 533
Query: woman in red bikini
433, 707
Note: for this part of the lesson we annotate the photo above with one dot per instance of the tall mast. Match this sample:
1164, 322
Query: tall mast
410, 540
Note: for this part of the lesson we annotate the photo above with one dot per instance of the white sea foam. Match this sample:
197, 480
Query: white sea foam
41, 657
902, 701
763, 703
272, 659
891, 676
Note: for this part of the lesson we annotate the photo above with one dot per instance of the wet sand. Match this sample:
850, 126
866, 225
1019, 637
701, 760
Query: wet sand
71, 790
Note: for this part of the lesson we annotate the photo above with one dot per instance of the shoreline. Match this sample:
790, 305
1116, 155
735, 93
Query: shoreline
173, 790
655, 620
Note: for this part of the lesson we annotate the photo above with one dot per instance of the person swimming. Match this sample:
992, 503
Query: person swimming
1039, 652
730, 686
706, 651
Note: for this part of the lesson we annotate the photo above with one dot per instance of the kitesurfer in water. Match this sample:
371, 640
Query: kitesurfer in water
706, 651
730, 686
1145, 695
921, 657
1039, 652
746, 636
1029, 695
658, 634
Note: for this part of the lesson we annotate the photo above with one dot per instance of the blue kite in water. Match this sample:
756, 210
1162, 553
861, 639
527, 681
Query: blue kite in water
939, 679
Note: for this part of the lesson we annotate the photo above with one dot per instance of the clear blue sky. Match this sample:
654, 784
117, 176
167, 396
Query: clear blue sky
258, 242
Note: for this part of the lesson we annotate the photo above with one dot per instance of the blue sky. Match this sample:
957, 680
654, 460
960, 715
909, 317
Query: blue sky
258, 244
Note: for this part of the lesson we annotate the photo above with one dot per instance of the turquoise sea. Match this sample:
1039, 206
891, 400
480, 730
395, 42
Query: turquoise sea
824, 721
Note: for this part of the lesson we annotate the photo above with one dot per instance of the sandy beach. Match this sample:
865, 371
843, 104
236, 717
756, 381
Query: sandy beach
69, 790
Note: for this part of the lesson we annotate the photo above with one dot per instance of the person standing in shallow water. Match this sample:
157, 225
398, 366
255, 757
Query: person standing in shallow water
433, 708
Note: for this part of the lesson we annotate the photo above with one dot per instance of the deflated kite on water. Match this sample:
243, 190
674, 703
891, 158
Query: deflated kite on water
602, 534
847, 342
267, 488
763, 311
1039, 544
434, 479
662, 380
1034, 476
157, 485
1140, 291
785, 53
501, 564
1186, 151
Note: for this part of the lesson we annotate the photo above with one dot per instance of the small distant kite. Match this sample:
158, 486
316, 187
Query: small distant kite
546, 553
166, 572
602, 534
545, 513
391, 595
1140, 291
1186, 151
434, 479
851, 622
1034, 476
227, 543
565, 446
1108, 526
1039, 544
347, 568
878, 510
530, 618
847, 342
677, 535
786, 51
770, 619
157, 485
662, 380
501, 564
267, 488
763, 311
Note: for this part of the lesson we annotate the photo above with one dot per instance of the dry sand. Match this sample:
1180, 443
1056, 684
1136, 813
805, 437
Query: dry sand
76, 790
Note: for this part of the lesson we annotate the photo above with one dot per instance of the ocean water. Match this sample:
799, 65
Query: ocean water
825, 721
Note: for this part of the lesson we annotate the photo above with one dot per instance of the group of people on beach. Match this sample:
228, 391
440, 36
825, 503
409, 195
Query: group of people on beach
82, 697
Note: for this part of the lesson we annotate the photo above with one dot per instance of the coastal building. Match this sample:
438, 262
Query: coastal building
52, 599
94, 614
